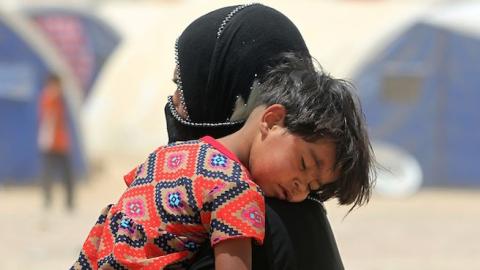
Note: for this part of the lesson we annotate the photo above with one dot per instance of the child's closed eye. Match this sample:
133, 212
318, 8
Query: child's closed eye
302, 165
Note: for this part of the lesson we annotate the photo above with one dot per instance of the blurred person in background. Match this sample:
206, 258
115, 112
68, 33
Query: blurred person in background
219, 57
53, 140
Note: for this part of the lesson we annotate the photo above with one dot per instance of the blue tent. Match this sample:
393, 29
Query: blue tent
422, 93
22, 74
26, 59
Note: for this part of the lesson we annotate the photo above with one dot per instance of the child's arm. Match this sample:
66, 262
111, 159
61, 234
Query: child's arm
234, 254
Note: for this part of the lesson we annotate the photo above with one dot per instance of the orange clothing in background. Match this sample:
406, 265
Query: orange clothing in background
53, 131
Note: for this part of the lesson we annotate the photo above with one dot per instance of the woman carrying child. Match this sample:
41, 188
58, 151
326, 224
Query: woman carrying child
304, 134
298, 236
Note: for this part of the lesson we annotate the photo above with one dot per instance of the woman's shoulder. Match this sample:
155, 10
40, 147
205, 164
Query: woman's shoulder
309, 233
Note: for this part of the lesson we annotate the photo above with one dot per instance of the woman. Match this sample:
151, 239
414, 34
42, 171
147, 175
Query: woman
219, 57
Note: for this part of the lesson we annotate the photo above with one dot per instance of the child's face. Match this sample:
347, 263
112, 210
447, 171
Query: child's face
288, 168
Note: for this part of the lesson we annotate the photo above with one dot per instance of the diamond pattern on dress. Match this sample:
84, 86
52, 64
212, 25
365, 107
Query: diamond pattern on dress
176, 161
175, 201
124, 229
145, 172
184, 194
214, 165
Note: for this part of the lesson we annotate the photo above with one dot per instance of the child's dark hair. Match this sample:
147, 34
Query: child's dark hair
319, 106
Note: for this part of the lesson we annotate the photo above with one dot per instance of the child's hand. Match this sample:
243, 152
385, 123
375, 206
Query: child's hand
234, 254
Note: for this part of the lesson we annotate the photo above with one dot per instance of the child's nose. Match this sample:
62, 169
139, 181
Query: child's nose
300, 187
297, 185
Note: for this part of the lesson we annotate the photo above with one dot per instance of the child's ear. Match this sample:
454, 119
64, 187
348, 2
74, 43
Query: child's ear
273, 115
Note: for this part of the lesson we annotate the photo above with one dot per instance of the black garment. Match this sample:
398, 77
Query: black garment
180, 132
275, 253
298, 236
57, 165
215, 70
310, 234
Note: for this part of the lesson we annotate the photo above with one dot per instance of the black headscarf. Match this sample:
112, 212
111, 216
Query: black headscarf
219, 55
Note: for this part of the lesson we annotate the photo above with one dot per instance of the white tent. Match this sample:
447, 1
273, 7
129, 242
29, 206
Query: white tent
125, 115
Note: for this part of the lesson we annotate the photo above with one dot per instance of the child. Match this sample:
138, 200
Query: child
305, 135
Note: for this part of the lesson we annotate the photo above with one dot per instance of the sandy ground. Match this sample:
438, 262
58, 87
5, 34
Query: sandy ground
434, 229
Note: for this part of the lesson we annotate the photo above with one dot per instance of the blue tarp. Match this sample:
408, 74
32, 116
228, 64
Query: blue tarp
422, 93
22, 75
21, 70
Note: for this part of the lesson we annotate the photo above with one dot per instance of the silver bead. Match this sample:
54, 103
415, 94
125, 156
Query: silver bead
314, 199
229, 17
193, 124
179, 81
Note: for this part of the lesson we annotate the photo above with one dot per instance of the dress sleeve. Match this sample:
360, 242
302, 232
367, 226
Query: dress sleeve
129, 177
144, 171
234, 210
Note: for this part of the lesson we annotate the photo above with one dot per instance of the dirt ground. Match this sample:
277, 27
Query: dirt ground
434, 229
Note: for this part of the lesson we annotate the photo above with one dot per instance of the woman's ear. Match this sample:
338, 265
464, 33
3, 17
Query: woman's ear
273, 115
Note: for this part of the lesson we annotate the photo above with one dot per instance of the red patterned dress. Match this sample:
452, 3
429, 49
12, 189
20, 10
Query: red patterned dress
184, 194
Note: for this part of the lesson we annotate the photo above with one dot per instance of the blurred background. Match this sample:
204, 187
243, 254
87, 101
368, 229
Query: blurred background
416, 65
